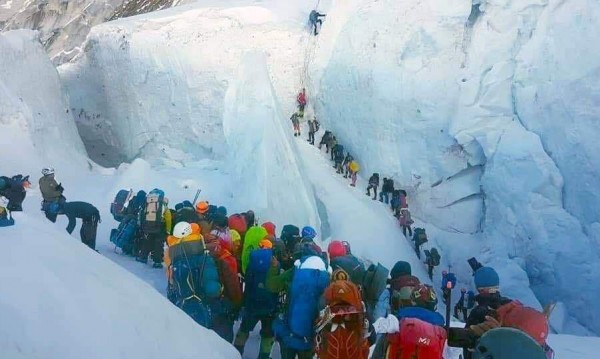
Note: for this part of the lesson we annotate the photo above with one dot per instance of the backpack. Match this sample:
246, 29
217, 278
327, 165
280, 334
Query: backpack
295, 328
254, 235
374, 283
435, 257
420, 237
352, 266
417, 339
124, 235
342, 331
156, 205
257, 299
509, 343
117, 207
528, 320
400, 291
196, 280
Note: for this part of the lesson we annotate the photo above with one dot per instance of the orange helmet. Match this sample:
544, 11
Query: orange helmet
202, 207
265, 244
196, 228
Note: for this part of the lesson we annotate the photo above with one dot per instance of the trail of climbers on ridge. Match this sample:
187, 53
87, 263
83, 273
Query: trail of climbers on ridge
375, 234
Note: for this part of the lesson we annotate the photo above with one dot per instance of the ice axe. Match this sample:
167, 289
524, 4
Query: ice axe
196, 197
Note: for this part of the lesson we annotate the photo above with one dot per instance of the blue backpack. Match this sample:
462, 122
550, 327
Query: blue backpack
117, 207
196, 279
257, 299
296, 329
124, 235
423, 314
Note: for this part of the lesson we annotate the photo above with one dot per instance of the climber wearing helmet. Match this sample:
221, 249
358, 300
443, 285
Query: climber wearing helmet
52, 193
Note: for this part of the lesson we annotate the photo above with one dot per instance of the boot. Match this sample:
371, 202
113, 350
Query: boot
142, 260
157, 265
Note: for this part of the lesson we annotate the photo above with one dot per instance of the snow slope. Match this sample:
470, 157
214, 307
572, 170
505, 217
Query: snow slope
464, 106
59, 299
36, 127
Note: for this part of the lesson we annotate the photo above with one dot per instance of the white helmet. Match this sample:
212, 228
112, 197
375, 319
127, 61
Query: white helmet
182, 229
47, 171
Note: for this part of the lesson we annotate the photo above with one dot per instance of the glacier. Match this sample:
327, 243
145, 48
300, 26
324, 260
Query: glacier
485, 112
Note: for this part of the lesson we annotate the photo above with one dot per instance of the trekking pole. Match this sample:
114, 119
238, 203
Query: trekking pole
196, 197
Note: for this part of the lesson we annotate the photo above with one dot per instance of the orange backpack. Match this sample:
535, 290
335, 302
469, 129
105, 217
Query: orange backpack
341, 330
533, 322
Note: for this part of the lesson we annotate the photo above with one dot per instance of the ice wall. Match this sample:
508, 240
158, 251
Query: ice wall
153, 86
486, 115
36, 127
264, 167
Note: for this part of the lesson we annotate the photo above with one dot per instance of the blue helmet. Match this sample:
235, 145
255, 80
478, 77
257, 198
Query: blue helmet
309, 232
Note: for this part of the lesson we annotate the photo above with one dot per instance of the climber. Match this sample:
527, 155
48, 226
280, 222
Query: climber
405, 220
373, 184
155, 221
386, 190
294, 328
296, 123
331, 145
52, 193
6, 219
339, 157
301, 100
313, 127
354, 168
90, 217
204, 221
14, 190
346, 164
260, 305
315, 21
340, 257
325, 141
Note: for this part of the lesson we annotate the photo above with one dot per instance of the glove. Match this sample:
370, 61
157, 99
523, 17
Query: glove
60, 188
489, 324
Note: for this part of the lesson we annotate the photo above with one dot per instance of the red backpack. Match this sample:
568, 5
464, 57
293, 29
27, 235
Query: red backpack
341, 331
526, 319
416, 340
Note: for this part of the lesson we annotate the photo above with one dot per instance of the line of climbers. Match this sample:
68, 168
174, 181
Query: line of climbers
397, 198
222, 268
54, 203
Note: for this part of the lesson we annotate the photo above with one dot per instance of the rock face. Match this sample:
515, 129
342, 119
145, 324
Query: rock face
64, 24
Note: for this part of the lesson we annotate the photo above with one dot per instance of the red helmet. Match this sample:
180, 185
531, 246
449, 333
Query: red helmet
336, 249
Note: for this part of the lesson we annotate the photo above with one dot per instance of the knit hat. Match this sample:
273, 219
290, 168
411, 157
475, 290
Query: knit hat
401, 268
486, 277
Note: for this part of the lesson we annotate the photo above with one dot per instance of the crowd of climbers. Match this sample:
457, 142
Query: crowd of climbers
221, 268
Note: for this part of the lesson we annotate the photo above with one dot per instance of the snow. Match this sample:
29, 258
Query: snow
59, 299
